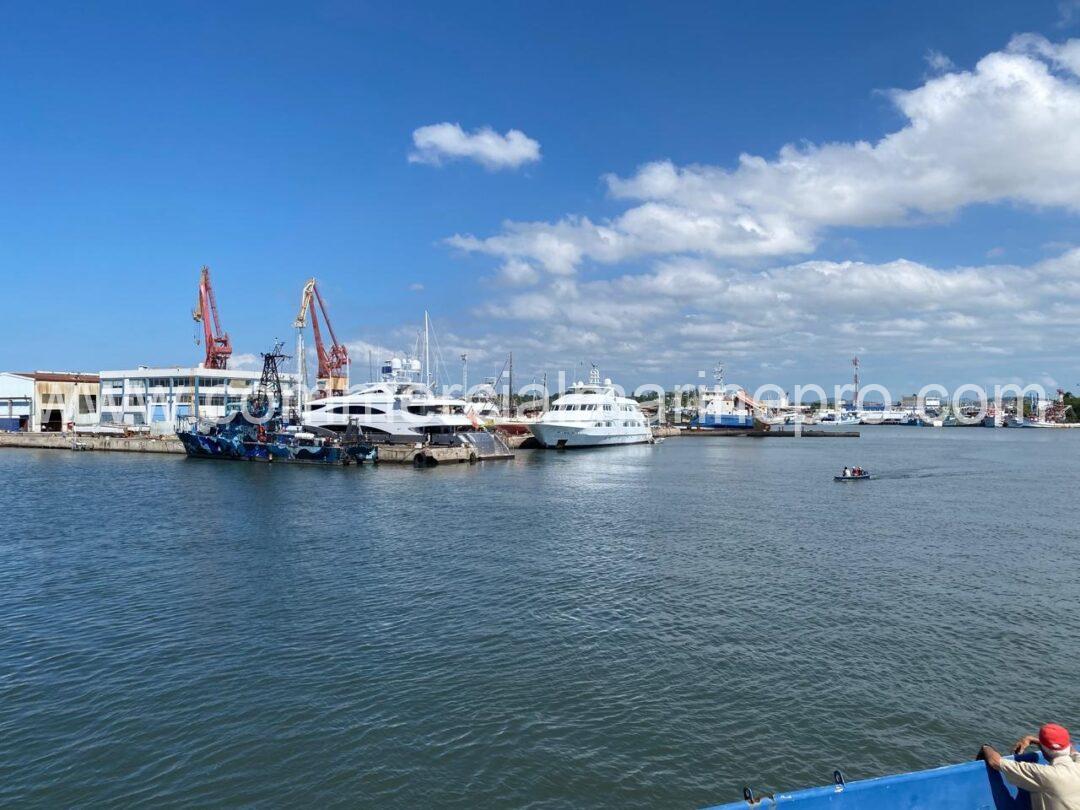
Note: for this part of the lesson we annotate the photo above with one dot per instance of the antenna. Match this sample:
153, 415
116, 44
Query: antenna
855, 367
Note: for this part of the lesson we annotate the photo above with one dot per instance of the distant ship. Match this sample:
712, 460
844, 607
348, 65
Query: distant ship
723, 410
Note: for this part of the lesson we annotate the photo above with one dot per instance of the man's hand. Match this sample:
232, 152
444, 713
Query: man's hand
1024, 742
991, 756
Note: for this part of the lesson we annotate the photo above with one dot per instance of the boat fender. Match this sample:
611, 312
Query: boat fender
752, 800
472, 458
838, 780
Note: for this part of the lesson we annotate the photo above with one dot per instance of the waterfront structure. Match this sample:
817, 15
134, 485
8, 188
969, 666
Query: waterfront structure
146, 398
47, 401
590, 415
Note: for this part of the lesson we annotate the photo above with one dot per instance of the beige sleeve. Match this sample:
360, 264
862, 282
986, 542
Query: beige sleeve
1030, 776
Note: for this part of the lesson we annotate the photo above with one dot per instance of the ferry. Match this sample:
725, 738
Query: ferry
592, 414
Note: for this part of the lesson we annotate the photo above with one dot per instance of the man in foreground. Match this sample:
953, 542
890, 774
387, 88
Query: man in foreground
1054, 786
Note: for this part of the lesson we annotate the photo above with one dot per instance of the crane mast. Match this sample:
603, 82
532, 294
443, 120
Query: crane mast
332, 377
216, 341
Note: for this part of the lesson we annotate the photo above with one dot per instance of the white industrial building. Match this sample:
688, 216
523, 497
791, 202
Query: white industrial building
49, 401
154, 398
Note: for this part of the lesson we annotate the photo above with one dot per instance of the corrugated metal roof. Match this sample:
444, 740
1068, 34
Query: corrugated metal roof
59, 376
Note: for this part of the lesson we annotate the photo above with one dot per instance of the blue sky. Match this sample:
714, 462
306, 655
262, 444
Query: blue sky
272, 142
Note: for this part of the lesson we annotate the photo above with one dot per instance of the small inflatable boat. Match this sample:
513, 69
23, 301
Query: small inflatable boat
860, 477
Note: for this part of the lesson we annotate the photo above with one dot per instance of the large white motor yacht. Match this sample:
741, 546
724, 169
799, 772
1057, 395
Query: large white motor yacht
590, 415
399, 407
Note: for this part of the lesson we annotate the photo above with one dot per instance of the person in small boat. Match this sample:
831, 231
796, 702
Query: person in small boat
1054, 786
847, 472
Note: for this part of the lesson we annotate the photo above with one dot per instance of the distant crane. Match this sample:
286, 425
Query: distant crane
332, 378
218, 346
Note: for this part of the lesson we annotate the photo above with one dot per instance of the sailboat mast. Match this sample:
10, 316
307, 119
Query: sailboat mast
427, 353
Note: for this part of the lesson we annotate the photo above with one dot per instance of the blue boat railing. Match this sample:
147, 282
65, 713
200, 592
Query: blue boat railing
967, 786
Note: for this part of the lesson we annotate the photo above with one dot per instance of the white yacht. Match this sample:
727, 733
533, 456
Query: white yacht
482, 402
590, 415
399, 407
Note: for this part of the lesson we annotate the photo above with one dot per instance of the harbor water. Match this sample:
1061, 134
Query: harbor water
644, 626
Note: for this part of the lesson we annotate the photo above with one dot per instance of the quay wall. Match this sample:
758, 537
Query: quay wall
63, 441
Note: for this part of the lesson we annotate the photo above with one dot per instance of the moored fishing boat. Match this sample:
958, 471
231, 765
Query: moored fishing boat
260, 432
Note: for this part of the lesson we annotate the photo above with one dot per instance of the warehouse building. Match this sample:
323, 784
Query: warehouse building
154, 398
47, 401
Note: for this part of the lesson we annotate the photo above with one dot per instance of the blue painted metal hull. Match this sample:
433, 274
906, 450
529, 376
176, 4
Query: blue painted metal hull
239, 441
968, 786
727, 421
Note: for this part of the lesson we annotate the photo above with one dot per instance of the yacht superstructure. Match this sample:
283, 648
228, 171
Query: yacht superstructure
399, 406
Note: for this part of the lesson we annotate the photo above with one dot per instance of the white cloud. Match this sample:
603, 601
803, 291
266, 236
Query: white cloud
1006, 131
685, 310
938, 62
515, 272
245, 362
437, 143
416, 286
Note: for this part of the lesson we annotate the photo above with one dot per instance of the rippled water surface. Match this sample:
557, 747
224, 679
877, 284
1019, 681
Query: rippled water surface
642, 626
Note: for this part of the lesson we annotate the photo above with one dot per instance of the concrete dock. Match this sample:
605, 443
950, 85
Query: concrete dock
425, 456
64, 441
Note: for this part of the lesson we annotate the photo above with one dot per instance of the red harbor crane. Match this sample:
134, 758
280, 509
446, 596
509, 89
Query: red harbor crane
218, 346
333, 375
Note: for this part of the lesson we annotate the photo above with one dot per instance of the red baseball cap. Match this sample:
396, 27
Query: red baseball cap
1053, 737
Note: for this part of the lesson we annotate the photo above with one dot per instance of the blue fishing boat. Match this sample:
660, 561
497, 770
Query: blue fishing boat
260, 432
968, 786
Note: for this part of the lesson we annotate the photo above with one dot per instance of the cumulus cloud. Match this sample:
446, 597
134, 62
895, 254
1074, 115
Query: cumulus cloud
1006, 131
685, 309
437, 143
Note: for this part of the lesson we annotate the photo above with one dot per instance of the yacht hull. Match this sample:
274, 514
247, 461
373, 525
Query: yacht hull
555, 435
